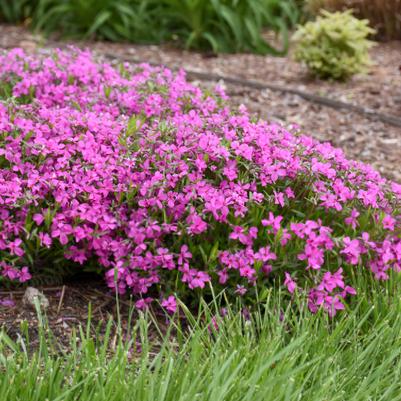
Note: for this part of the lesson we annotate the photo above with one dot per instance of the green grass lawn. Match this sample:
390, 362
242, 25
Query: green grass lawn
287, 355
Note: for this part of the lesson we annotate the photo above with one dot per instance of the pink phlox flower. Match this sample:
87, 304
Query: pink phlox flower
184, 255
197, 225
165, 258
272, 221
45, 239
143, 303
24, 275
348, 291
170, 304
240, 290
9, 271
368, 197
223, 276
266, 269
15, 247
330, 200
285, 237
386, 252
76, 254
342, 191
115, 277
238, 233
323, 168
352, 219
379, 269
290, 283
195, 278
313, 254
330, 303
289, 192
331, 281
248, 272
388, 222
230, 171
264, 254
366, 241
38, 218
352, 250
279, 198
396, 188
61, 231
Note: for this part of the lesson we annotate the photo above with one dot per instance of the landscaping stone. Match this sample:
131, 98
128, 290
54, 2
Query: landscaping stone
31, 295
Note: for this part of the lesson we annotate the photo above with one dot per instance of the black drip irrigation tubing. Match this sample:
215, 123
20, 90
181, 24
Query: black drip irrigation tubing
324, 101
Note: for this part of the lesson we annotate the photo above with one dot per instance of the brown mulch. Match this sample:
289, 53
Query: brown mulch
70, 306
361, 138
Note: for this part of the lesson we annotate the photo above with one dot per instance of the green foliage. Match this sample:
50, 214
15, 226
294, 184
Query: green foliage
132, 20
15, 11
230, 25
213, 25
275, 355
335, 45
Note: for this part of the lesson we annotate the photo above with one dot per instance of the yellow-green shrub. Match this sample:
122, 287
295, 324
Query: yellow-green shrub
335, 45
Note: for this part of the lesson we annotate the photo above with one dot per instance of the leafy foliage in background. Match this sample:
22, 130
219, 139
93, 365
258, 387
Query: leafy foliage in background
230, 25
15, 11
384, 15
216, 25
335, 45
132, 20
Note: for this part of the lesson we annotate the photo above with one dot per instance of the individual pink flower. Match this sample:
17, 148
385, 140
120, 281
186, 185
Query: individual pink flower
143, 303
240, 290
198, 280
15, 247
267, 269
9, 271
272, 221
197, 225
45, 239
24, 275
289, 192
290, 283
351, 250
169, 304
352, 219
38, 218
279, 198
223, 276
388, 222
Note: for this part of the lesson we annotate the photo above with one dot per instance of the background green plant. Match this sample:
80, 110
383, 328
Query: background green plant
132, 20
335, 45
216, 25
230, 25
15, 11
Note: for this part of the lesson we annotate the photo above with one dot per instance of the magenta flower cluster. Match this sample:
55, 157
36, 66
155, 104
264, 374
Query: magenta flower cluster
136, 173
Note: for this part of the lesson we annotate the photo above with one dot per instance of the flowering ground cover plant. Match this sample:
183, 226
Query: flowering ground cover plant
133, 172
